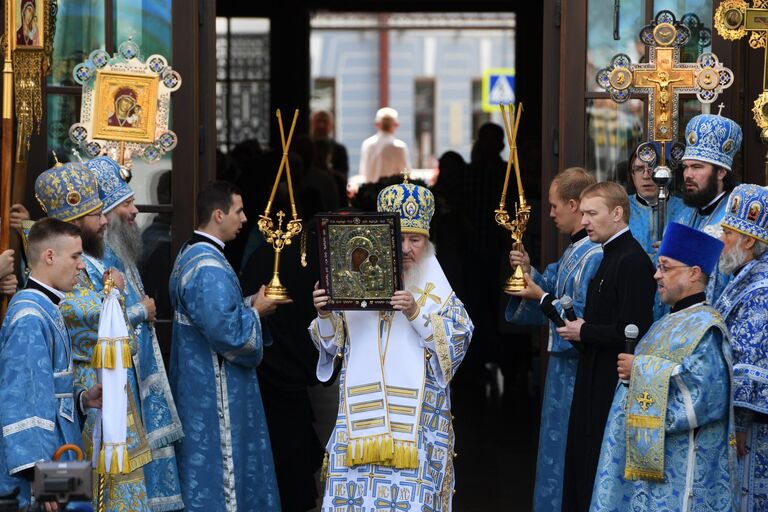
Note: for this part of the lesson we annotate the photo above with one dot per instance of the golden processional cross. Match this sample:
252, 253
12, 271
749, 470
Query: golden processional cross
663, 79
733, 19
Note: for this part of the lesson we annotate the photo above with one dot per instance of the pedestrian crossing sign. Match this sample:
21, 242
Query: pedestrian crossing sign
498, 87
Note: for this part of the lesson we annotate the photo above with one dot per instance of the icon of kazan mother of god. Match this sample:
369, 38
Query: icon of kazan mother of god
127, 111
27, 33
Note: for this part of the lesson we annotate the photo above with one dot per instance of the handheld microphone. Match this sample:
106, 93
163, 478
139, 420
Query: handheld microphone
549, 310
630, 338
567, 303
630, 342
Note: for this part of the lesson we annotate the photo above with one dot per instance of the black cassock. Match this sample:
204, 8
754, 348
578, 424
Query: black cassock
621, 293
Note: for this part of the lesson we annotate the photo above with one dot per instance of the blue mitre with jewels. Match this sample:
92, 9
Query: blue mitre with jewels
747, 211
113, 189
713, 139
414, 204
67, 192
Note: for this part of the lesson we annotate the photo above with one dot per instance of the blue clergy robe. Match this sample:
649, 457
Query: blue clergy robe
38, 412
81, 309
708, 219
643, 219
225, 458
158, 410
669, 443
744, 308
570, 275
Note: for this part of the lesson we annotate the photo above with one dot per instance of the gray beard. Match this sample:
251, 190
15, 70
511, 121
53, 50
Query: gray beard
733, 260
412, 277
124, 239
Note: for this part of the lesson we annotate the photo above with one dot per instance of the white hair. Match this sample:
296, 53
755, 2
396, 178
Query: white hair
412, 277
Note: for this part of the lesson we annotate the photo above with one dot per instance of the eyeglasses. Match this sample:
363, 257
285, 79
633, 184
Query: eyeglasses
642, 170
663, 268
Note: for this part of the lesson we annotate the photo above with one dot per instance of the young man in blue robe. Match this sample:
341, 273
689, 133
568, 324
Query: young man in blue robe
392, 446
744, 308
669, 443
225, 458
643, 204
159, 418
81, 309
40, 408
570, 275
712, 141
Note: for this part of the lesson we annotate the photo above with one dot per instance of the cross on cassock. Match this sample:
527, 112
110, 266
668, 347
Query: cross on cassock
664, 77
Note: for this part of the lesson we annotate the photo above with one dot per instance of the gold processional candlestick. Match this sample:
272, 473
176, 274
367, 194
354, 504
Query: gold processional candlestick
277, 237
516, 227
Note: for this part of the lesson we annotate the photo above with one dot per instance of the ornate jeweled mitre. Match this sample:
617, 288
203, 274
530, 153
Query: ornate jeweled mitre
747, 211
713, 139
68, 192
414, 204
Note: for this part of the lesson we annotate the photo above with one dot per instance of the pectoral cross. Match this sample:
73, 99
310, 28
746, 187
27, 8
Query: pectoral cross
645, 400
664, 77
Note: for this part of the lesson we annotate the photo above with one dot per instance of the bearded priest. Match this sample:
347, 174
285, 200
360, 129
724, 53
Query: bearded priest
392, 445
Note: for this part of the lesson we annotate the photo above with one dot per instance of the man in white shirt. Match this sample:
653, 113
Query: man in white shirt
383, 154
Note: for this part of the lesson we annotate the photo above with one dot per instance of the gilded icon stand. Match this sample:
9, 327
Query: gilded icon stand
126, 104
516, 227
279, 238
733, 19
663, 79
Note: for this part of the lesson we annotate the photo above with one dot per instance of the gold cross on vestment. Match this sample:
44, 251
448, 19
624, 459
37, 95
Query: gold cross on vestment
426, 293
645, 400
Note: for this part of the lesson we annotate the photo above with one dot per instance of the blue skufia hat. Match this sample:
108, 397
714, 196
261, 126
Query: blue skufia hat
415, 204
747, 212
712, 139
113, 188
691, 246
67, 192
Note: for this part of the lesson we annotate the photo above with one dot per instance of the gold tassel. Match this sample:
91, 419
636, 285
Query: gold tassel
324, 468
109, 356
114, 469
358, 452
414, 459
101, 468
126, 354
126, 459
96, 359
349, 459
389, 447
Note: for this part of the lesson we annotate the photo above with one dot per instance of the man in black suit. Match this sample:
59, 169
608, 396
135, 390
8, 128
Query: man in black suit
620, 293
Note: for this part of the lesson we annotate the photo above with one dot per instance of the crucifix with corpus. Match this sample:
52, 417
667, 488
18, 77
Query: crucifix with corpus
733, 19
663, 79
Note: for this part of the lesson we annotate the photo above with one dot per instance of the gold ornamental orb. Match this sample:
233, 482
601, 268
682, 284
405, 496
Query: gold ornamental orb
664, 34
764, 135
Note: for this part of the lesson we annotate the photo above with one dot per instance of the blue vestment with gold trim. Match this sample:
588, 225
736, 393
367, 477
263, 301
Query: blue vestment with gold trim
81, 309
570, 275
744, 307
669, 442
38, 412
225, 457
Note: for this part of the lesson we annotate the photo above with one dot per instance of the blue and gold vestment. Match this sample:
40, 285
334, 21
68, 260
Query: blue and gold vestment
669, 443
570, 275
744, 307
38, 412
225, 457
81, 309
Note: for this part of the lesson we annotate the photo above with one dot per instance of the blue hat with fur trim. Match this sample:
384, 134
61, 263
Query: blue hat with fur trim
67, 192
113, 189
712, 139
691, 246
747, 211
